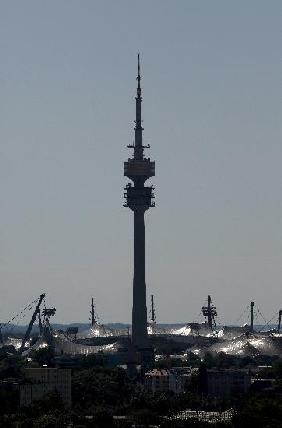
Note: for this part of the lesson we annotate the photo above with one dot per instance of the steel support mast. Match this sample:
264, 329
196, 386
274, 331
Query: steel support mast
139, 198
33, 318
252, 316
279, 320
152, 311
92, 312
210, 312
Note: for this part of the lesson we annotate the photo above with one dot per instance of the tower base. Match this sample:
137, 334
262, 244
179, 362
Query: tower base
145, 355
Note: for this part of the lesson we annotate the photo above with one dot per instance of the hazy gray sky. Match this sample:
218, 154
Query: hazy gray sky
212, 114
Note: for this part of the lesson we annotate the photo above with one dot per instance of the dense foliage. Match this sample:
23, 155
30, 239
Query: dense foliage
100, 392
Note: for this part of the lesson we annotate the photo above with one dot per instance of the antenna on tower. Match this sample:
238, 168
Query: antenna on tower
138, 76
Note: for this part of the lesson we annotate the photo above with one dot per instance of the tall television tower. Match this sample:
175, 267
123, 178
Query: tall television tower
138, 198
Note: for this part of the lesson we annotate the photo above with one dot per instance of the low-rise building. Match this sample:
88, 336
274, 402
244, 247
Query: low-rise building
42, 381
163, 380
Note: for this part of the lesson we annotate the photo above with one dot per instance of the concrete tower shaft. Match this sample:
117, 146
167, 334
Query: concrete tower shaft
139, 199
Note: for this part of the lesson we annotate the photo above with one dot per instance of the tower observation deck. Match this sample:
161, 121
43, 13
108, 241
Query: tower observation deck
139, 198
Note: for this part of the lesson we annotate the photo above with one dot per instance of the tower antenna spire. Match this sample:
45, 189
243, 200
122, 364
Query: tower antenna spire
138, 145
138, 76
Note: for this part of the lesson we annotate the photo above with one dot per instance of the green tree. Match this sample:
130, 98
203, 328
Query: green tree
43, 356
259, 412
100, 387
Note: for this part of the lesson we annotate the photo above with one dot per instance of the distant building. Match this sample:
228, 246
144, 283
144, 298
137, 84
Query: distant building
42, 381
164, 380
9, 392
226, 383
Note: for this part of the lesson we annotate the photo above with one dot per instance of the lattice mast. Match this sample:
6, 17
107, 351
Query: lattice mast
139, 198
210, 313
153, 318
252, 316
92, 313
